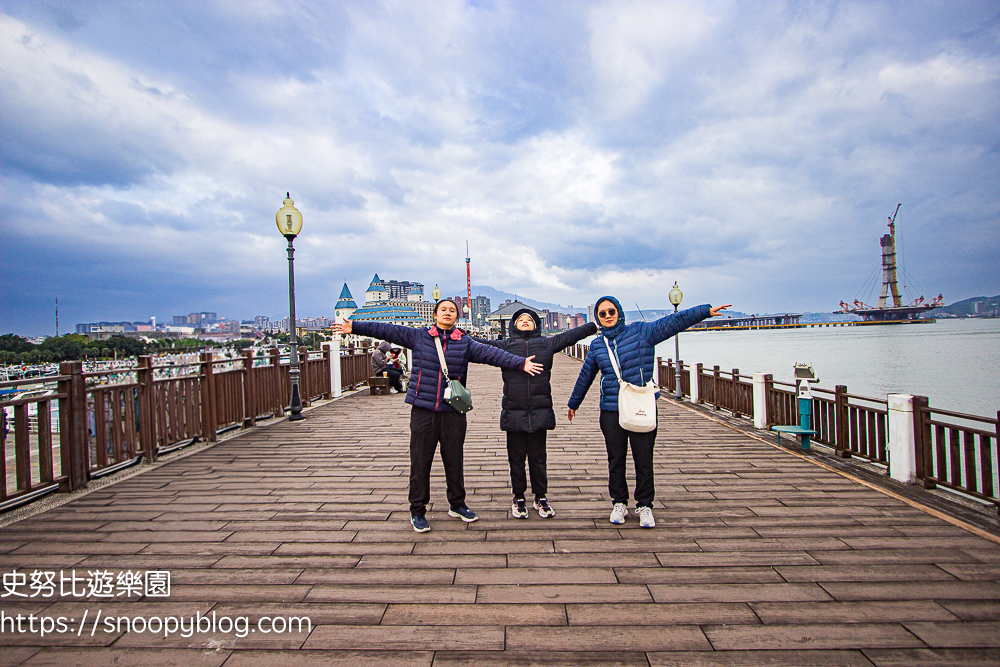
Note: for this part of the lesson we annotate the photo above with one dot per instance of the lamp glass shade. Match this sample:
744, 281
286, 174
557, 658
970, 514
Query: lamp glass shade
676, 295
288, 219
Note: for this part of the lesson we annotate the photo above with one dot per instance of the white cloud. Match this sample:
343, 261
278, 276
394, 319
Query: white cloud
633, 45
701, 142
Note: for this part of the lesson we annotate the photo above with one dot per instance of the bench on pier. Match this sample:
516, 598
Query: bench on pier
378, 386
804, 433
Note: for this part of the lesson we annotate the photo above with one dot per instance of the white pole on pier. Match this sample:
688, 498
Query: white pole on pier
759, 401
902, 453
695, 384
335, 386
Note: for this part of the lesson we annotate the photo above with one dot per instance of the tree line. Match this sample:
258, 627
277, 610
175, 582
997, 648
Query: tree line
15, 350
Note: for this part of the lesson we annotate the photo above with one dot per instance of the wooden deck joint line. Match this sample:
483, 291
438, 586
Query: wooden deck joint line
979, 532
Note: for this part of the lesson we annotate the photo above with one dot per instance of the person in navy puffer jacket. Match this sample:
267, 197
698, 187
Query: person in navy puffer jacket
432, 420
634, 348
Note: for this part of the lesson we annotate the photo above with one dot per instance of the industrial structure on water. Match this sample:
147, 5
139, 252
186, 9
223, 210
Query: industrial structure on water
896, 313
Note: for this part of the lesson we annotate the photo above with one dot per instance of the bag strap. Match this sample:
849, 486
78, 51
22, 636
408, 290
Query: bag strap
614, 359
444, 365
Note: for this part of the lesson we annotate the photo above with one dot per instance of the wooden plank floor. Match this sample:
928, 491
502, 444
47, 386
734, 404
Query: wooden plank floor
758, 558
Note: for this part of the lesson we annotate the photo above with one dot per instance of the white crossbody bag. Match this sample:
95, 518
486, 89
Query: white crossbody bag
636, 405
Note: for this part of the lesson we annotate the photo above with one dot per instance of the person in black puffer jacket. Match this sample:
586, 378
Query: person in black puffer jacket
527, 413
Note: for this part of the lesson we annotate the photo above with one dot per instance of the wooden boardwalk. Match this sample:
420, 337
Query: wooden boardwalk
759, 557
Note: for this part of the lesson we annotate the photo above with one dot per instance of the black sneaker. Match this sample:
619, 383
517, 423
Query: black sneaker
544, 511
464, 513
420, 523
519, 508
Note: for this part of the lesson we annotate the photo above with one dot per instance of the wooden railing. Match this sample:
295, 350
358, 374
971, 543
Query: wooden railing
355, 369
38, 463
724, 390
667, 376
87, 424
957, 451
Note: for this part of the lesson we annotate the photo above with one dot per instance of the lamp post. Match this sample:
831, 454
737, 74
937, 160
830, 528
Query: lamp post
289, 222
676, 295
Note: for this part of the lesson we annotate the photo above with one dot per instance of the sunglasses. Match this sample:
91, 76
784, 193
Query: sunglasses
610, 312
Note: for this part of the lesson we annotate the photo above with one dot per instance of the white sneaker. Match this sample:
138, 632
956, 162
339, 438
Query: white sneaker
645, 517
519, 509
618, 513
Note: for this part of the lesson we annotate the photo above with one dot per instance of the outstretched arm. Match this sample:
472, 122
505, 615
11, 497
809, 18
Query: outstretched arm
665, 327
394, 333
566, 338
496, 342
484, 354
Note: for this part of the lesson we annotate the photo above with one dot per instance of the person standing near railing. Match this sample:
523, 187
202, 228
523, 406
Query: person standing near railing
432, 419
527, 414
628, 350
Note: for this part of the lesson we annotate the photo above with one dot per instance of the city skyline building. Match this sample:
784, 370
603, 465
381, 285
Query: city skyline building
480, 308
399, 290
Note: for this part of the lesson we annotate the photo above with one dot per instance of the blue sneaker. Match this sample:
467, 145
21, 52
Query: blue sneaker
464, 513
420, 523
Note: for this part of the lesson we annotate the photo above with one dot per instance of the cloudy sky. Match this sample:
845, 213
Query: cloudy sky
751, 151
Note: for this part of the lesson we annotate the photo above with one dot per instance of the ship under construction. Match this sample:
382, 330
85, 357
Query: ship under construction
895, 312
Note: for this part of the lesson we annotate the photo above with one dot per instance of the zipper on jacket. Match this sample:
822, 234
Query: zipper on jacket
444, 350
529, 387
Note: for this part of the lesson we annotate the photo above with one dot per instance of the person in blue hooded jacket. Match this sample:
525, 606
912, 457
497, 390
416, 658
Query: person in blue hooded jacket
634, 348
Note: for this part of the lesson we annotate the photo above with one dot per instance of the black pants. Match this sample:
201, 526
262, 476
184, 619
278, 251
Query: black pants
531, 445
427, 429
394, 374
617, 440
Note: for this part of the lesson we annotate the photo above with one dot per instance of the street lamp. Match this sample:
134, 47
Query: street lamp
676, 295
289, 222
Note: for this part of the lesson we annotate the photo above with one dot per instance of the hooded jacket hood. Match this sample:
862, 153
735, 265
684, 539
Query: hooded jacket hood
514, 332
384, 346
610, 332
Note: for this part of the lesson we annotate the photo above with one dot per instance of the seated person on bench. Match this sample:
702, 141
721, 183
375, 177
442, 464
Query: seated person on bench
381, 364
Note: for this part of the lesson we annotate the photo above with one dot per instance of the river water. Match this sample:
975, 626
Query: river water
954, 362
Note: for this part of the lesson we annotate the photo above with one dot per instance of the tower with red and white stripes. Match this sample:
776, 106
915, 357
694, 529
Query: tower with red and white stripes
468, 279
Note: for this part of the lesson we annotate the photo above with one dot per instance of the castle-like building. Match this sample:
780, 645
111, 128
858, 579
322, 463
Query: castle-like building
380, 306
